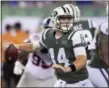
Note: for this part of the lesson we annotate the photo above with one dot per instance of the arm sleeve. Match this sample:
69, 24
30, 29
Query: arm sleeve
78, 44
43, 41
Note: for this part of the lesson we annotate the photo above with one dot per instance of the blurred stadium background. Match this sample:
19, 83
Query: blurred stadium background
31, 13
41, 10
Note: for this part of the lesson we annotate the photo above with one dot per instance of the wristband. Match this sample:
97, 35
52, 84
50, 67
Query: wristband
73, 68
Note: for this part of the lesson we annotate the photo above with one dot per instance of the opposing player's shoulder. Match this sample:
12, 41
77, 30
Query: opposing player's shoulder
46, 33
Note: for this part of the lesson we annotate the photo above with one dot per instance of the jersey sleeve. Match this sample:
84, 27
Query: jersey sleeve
44, 38
43, 41
78, 44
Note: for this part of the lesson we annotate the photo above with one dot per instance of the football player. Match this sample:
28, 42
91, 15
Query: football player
66, 47
65, 24
99, 65
37, 73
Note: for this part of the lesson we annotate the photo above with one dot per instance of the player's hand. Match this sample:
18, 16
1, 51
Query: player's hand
59, 67
18, 69
68, 69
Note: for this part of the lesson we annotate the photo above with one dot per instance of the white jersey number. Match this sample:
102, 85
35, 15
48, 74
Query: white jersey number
61, 56
37, 61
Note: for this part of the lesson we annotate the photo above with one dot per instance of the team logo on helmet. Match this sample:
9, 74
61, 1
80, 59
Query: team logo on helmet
54, 14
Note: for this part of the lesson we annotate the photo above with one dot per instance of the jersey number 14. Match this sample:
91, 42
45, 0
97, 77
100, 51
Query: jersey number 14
60, 58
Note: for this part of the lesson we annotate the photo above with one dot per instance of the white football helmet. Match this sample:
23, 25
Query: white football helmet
75, 11
61, 12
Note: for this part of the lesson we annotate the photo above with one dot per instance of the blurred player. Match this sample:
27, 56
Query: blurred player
100, 62
20, 34
37, 73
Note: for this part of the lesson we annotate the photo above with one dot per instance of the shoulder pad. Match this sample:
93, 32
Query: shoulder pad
46, 33
72, 33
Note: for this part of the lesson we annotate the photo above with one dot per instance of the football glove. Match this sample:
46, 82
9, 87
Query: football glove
18, 68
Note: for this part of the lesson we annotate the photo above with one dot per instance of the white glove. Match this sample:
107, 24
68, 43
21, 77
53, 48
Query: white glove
18, 68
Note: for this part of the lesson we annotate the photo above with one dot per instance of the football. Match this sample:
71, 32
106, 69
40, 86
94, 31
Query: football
11, 53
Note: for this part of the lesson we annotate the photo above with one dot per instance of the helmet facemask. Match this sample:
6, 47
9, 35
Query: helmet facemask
64, 23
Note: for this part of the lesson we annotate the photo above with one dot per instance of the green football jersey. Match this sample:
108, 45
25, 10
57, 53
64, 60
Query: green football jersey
61, 51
